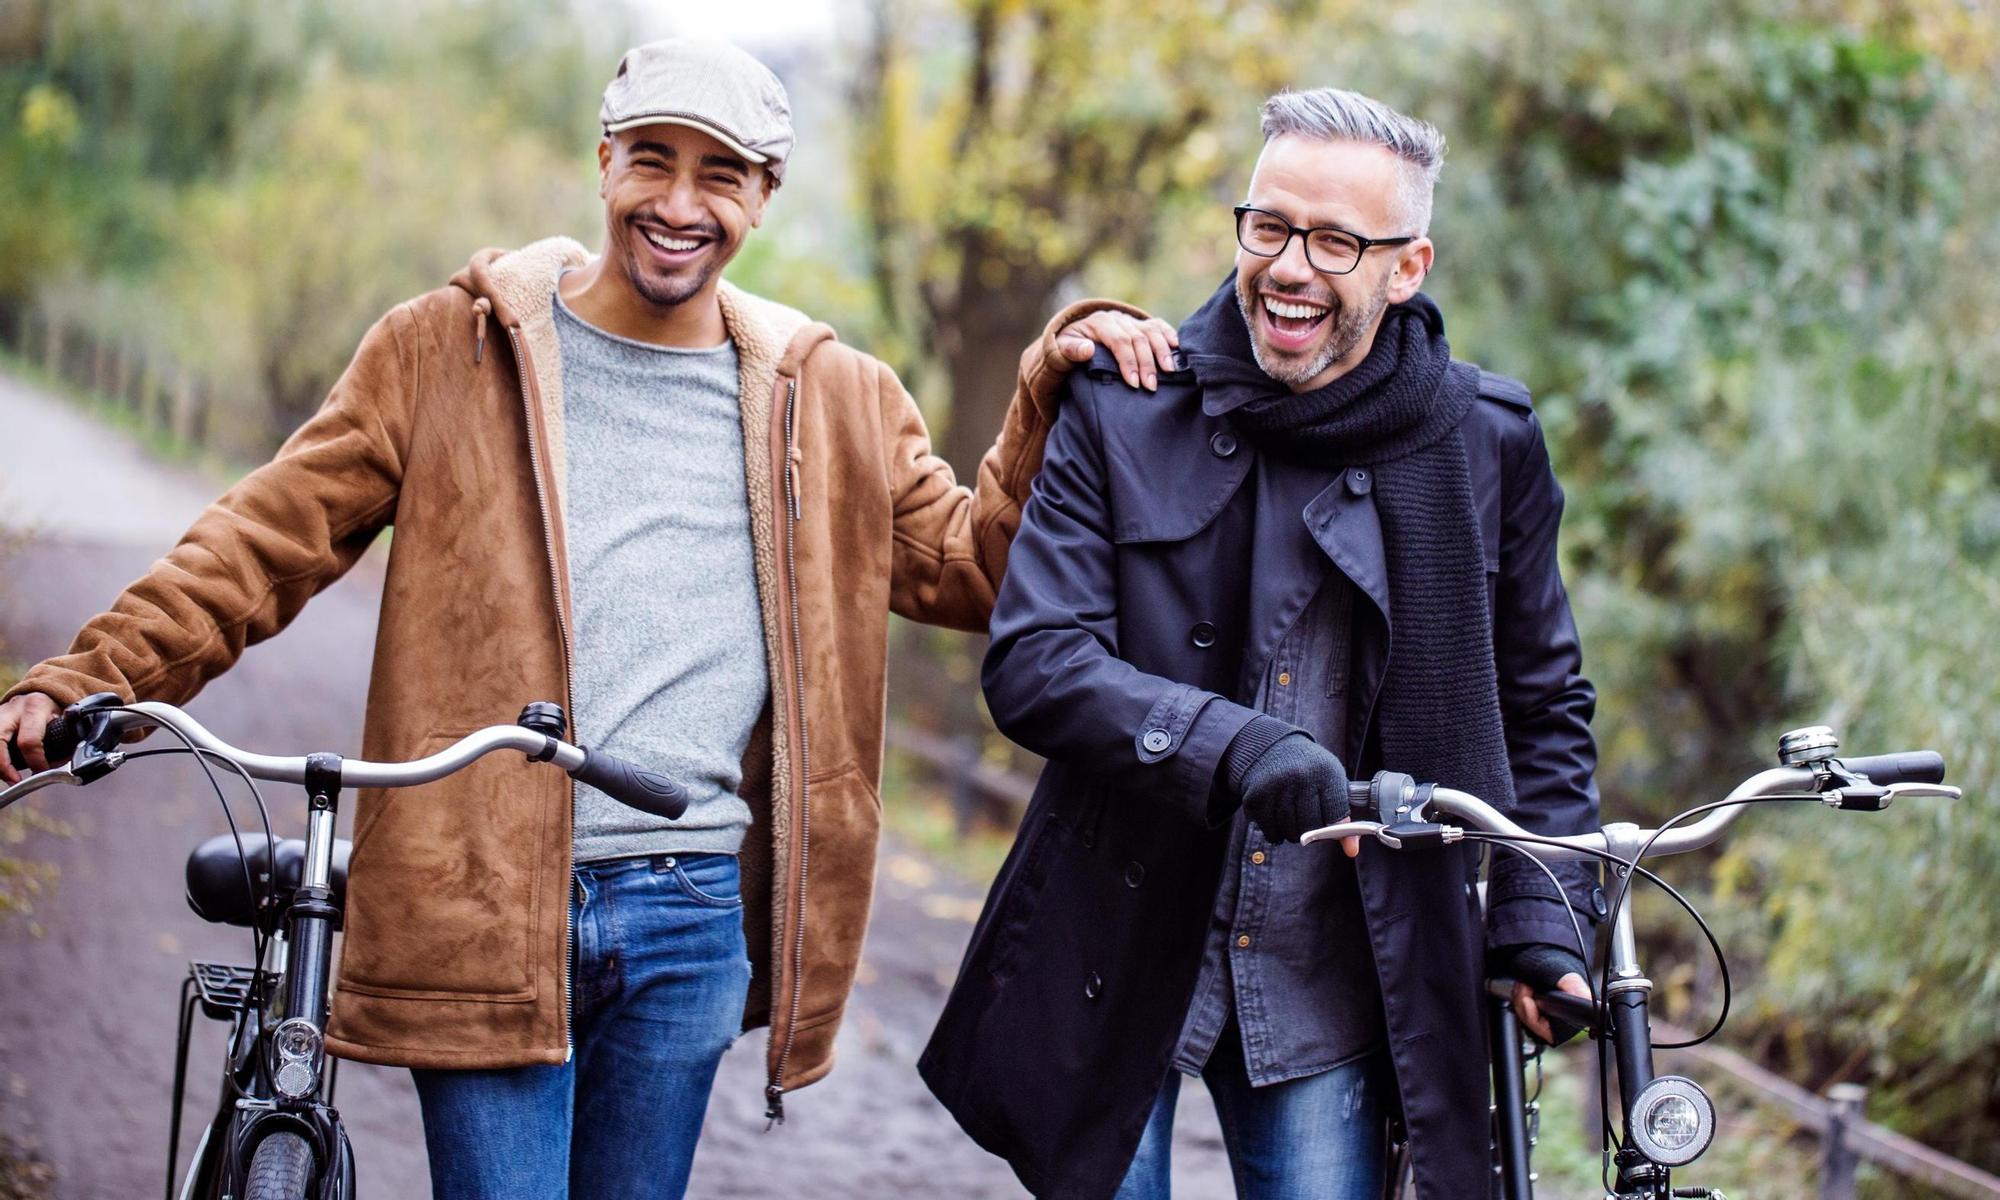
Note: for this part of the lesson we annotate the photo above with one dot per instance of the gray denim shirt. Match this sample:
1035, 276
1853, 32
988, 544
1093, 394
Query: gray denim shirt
1286, 951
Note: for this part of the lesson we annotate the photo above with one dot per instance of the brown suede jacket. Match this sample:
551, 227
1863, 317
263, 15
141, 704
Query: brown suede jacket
447, 425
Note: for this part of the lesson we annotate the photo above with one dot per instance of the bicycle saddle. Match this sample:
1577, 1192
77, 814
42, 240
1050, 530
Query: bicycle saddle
215, 886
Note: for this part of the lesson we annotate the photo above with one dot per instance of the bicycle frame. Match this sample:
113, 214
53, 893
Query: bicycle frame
299, 987
1629, 999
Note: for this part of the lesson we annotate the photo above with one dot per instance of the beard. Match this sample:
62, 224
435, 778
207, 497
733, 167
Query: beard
671, 290
1346, 328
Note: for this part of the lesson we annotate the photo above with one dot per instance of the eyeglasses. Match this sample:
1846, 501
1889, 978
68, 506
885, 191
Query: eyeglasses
1329, 250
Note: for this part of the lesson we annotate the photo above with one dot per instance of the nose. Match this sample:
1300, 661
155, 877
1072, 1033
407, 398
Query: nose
682, 207
1291, 265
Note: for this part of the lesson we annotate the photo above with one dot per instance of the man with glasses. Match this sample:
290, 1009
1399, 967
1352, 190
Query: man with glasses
1323, 549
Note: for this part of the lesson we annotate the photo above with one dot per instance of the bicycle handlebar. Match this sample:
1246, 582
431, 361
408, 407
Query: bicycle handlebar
645, 790
1906, 773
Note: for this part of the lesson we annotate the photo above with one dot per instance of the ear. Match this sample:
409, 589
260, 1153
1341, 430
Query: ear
1412, 265
603, 165
767, 187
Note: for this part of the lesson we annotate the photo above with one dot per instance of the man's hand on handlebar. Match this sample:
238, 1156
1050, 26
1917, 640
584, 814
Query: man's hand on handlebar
23, 720
1540, 967
1531, 1013
1292, 786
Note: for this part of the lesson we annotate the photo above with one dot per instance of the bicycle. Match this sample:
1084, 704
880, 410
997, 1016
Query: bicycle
276, 1134
1668, 1121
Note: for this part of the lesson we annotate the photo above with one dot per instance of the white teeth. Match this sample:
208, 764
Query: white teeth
1279, 308
669, 243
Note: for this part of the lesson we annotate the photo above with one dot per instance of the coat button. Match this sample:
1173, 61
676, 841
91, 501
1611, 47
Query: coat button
1357, 481
1202, 635
1242, 941
1223, 444
1093, 987
1135, 874
1156, 740
1257, 856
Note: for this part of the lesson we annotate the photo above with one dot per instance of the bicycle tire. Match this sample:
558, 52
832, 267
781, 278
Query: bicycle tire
281, 1169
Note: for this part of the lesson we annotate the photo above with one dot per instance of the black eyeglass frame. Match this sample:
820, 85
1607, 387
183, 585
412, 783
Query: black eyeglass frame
1293, 231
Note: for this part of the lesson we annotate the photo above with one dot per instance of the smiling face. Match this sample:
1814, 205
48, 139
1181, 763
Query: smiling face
677, 206
1308, 328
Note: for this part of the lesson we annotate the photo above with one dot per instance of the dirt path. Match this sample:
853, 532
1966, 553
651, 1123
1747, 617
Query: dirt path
87, 1007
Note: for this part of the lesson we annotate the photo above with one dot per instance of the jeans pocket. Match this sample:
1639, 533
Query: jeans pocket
709, 879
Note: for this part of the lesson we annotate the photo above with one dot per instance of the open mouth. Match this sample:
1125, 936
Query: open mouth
671, 248
1291, 323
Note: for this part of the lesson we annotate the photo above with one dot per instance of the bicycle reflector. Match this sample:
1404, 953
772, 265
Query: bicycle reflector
296, 1047
1673, 1121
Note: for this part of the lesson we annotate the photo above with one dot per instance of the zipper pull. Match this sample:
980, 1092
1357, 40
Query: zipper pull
480, 308
792, 455
774, 1107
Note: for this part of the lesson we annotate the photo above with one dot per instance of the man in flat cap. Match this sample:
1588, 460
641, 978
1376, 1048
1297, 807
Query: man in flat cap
686, 512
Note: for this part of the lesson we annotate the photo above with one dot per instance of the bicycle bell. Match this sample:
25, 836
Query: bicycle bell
1805, 747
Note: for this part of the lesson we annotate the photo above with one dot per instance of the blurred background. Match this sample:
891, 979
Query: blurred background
1744, 252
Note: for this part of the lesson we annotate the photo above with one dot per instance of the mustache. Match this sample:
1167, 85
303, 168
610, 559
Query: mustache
705, 229
1296, 291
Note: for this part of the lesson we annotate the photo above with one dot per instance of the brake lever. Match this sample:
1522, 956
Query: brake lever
1418, 835
1406, 835
1868, 797
31, 784
1921, 791
1344, 829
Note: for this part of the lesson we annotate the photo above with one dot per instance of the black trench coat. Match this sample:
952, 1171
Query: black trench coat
1142, 589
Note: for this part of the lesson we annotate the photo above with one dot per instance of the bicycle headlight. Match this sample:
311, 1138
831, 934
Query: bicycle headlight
1673, 1121
296, 1047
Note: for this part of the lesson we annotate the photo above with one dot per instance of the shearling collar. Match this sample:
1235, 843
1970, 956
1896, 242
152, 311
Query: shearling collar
517, 287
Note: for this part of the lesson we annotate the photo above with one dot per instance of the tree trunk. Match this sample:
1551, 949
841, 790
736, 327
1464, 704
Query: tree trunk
984, 334
981, 338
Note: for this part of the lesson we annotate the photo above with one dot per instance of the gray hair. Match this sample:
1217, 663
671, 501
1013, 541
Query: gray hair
1334, 115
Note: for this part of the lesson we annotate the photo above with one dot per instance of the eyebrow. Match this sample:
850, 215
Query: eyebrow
1344, 228
707, 160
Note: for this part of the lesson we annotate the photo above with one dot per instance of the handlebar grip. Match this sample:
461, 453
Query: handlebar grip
647, 791
1907, 766
1360, 795
58, 743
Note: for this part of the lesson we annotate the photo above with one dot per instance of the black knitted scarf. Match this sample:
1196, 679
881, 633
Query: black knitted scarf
1398, 413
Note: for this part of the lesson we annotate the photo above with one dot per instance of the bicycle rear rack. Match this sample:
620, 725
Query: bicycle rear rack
226, 990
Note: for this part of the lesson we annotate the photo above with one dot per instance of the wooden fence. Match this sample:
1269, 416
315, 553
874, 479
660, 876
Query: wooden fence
160, 395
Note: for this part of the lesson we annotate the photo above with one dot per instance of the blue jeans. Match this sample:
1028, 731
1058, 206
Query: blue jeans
1316, 1138
658, 983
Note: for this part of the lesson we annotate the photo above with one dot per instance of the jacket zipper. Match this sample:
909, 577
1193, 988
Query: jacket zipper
775, 1092
562, 628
